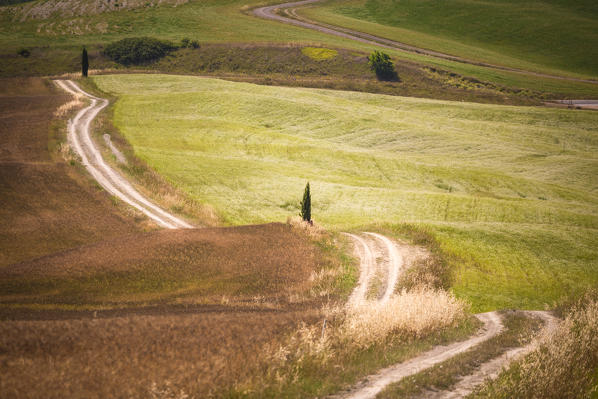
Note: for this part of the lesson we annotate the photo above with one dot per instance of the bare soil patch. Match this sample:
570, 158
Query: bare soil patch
43, 10
46, 205
250, 264
94, 307
136, 356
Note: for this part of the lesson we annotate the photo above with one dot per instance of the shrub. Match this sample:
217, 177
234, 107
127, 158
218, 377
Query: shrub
24, 52
188, 43
381, 64
138, 50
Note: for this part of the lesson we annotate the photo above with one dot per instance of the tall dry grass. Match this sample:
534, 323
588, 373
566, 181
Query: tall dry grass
76, 102
564, 366
414, 313
347, 333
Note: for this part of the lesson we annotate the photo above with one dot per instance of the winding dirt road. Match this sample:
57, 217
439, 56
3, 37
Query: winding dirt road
382, 260
271, 12
380, 255
492, 368
82, 143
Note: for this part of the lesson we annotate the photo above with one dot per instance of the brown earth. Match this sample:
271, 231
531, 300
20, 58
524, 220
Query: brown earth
122, 357
91, 305
213, 265
45, 204
283, 65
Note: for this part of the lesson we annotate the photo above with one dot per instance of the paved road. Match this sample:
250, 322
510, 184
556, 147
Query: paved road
586, 104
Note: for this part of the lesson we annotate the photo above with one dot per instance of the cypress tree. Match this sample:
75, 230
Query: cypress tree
84, 63
306, 205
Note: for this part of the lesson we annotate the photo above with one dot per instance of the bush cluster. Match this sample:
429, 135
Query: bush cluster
138, 50
381, 64
24, 52
188, 43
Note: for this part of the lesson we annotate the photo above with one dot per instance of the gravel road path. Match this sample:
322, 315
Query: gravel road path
377, 254
82, 143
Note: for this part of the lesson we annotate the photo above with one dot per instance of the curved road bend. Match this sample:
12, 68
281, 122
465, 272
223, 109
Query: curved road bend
80, 139
269, 12
375, 251
378, 253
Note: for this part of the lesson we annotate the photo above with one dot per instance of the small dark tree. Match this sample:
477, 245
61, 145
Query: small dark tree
381, 64
84, 63
24, 52
306, 205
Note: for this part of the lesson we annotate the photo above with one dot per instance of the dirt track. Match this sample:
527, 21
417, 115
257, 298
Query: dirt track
388, 259
46, 204
381, 263
270, 12
108, 178
492, 368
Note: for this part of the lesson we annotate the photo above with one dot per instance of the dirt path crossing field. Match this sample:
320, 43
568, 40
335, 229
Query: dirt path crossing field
381, 256
492, 368
382, 261
81, 141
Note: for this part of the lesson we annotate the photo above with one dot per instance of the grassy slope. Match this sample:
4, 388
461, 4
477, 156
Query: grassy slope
554, 36
208, 21
509, 190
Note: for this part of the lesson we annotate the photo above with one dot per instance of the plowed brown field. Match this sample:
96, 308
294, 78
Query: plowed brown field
45, 205
93, 306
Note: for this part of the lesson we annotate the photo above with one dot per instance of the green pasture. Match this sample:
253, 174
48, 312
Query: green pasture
509, 191
55, 41
553, 36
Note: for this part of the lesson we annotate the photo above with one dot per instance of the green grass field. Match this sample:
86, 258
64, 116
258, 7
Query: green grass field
509, 191
55, 38
554, 36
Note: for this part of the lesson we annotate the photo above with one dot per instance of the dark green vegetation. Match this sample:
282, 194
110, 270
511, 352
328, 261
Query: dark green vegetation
306, 205
289, 66
11, 2
544, 35
84, 63
138, 50
382, 65
55, 31
188, 43
519, 330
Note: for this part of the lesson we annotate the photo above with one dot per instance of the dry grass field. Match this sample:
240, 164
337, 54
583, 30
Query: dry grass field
197, 353
95, 302
45, 206
241, 265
